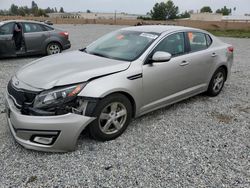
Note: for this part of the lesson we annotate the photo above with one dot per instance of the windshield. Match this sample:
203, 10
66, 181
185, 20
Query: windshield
122, 45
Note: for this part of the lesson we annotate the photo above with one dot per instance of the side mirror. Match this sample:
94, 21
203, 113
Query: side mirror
161, 57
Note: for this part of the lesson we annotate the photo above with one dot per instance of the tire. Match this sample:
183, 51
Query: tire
217, 82
113, 113
53, 48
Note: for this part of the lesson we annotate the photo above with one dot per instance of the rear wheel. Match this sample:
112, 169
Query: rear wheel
217, 82
113, 114
53, 48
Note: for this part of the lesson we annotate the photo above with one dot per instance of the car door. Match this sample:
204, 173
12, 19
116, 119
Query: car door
200, 59
163, 81
34, 37
7, 44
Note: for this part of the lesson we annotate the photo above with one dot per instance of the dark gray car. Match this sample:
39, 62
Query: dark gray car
22, 37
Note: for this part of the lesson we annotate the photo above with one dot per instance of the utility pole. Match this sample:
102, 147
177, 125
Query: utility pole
115, 17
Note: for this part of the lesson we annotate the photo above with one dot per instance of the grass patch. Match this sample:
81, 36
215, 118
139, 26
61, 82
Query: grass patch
231, 33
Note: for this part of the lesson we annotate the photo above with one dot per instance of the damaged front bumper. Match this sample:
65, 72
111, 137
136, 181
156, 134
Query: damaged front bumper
45, 133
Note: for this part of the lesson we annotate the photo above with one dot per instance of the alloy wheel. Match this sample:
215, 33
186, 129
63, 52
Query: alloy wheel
112, 118
218, 82
54, 49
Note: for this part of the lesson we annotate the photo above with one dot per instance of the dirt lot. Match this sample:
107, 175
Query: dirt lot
200, 142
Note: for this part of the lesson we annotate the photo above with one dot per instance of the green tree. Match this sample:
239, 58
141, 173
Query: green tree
24, 10
61, 10
21, 11
48, 10
206, 9
88, 11
34, 8
33, 5
13, 9
4, 12
225, 11
163, 11
40, 12
185, 14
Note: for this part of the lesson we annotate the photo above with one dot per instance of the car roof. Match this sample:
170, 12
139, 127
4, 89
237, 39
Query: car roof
159, 28
29, 21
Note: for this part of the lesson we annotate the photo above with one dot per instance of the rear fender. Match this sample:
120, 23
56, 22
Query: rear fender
49, 40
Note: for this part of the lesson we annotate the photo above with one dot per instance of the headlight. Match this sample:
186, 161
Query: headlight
57, 96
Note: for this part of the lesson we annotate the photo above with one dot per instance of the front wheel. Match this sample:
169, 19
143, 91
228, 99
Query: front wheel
53, 48
113, 114
217, 82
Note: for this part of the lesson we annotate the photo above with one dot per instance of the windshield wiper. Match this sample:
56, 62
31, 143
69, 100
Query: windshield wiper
93, 53
83, 50
99, 54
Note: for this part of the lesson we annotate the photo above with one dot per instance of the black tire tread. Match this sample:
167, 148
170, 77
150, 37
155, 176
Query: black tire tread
210, 92
94, 129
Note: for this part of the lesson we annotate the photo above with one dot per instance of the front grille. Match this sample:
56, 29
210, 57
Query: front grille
20, 96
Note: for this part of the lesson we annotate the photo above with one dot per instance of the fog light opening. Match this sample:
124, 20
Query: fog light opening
46, 140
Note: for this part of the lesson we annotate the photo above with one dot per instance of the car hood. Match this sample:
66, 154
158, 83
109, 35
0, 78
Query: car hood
68, 68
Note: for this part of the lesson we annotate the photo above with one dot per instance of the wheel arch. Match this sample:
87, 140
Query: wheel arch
130, 98
225, 68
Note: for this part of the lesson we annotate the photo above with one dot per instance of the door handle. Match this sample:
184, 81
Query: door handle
214, 54
184, 63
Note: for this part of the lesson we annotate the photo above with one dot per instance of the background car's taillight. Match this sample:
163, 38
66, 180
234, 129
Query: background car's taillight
230, 49
65, 34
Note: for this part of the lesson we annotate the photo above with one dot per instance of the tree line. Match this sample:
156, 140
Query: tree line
168, 10
34, 10
224, 11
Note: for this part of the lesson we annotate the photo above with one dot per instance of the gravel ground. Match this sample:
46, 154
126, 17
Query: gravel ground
200, 142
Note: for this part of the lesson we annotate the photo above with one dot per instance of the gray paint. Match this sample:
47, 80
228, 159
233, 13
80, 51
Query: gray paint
35, 42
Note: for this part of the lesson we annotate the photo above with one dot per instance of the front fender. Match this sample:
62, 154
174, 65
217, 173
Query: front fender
118, 82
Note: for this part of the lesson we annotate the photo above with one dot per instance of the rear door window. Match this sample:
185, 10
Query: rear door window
7, 29
197, 41
32, 28
209, 40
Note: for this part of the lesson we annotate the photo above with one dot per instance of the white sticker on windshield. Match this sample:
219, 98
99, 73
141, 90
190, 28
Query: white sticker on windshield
148, 35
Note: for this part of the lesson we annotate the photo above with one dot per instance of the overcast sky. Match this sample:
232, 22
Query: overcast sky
129, 6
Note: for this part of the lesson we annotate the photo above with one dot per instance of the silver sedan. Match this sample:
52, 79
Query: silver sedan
122, 75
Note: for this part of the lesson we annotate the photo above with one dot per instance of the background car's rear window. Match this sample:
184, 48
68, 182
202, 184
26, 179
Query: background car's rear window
32, 27
47, 28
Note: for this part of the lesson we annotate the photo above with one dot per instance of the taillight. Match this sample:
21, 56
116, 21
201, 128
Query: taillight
64, 34
230, 49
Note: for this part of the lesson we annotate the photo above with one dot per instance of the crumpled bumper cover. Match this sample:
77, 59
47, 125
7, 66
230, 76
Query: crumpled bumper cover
65, 129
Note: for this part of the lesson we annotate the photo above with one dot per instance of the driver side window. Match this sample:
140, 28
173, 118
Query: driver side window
173, 44
7, 29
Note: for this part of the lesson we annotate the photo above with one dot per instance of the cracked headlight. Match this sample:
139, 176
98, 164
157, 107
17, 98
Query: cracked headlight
57, 96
